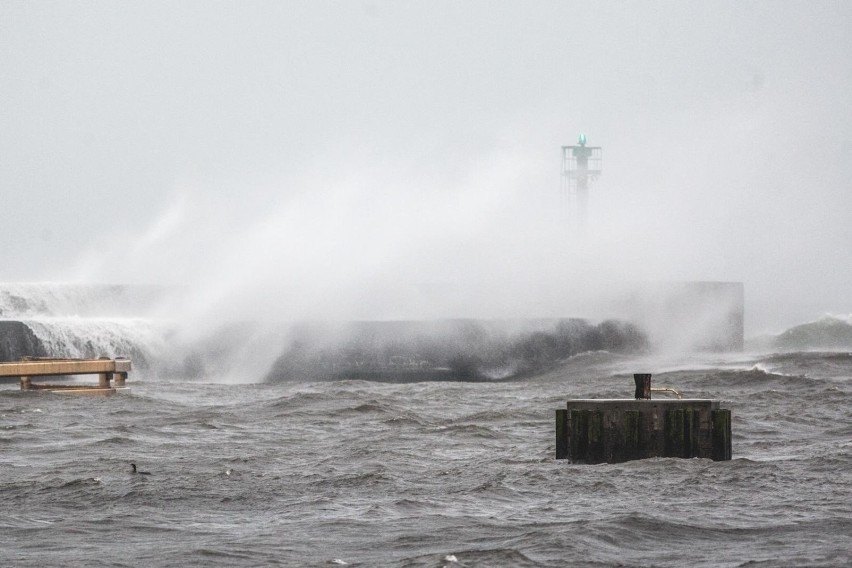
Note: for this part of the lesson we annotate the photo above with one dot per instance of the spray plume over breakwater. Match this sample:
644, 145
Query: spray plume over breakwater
44, 320
58, 320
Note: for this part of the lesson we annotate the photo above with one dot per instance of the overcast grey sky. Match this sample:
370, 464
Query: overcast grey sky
344, 157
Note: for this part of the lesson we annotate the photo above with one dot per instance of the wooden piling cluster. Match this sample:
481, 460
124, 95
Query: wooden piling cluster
618, 430
112, 373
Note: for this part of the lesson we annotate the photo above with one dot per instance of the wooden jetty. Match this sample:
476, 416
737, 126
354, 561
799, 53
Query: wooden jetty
112, 374
618, 430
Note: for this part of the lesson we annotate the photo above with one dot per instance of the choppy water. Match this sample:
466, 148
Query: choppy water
426, 474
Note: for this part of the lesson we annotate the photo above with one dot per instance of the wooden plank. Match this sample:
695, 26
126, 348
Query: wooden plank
674, 434
595, 436
63, 367
90, 391
579, 436
632, 441
690, 433
721, 435
561, 433
653, 440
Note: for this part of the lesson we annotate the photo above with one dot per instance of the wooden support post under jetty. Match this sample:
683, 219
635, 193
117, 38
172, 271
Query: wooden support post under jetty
618, 430
106, 369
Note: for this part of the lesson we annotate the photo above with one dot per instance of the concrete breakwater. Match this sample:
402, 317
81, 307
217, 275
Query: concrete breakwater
460, 350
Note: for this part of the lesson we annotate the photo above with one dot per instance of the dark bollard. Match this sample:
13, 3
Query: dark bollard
643, 385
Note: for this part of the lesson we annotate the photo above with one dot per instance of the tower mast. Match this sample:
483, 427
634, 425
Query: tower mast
580, 165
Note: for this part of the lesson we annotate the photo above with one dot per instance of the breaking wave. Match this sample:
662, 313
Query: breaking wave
829, 333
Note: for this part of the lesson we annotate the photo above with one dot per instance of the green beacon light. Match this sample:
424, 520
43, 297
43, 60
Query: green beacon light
582, 139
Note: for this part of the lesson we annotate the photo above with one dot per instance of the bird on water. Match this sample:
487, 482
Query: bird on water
137, 472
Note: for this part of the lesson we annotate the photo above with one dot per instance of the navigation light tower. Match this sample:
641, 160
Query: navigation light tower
580, 164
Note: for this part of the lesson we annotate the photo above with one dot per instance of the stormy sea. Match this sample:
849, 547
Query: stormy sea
392, 444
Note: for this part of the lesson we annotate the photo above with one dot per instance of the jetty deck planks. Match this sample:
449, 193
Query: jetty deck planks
106, 369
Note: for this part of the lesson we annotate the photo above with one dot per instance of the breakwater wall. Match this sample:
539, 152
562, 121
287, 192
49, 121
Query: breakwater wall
467, 350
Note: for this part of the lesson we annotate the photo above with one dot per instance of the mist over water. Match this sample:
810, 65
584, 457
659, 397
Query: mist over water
386, 162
